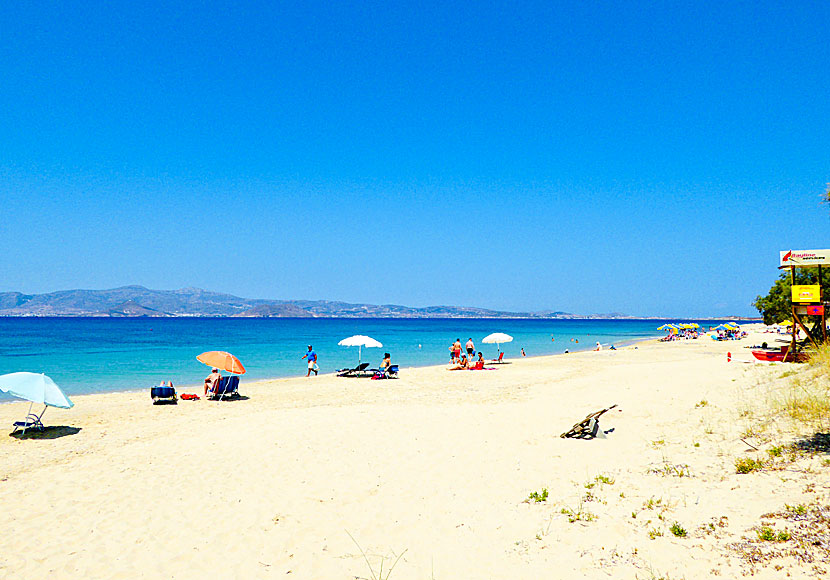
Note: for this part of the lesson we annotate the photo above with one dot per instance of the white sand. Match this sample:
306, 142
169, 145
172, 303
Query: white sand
435, 465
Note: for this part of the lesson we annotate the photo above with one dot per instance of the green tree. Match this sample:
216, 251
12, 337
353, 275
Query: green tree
776, 306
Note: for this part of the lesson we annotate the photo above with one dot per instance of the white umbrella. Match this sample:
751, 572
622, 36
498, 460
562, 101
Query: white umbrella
497, 338
37, 388
360, 341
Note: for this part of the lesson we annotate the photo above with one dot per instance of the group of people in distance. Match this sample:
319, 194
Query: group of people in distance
464, 361
455, 350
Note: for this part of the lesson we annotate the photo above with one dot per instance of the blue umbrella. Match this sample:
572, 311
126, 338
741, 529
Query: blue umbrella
37, 388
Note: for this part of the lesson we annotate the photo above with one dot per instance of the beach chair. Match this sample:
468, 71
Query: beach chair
359, 371
588, 428
163, 395
389, 373
498, 361
228, 388
32, 421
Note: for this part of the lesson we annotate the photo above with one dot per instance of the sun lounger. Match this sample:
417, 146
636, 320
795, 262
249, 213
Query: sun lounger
228, 388
498, 361
588, 428
162, 395
361, 370
389, 373
31, 421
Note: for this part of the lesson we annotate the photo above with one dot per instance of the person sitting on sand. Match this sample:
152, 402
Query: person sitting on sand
462, 364
212, 381
387, 362
479, 363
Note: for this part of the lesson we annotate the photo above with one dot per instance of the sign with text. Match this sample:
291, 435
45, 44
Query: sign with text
804, 258
806, 293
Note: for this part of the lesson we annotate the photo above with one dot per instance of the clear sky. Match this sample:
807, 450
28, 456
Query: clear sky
646, 158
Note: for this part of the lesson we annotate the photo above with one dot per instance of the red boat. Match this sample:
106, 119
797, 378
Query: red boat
777, 355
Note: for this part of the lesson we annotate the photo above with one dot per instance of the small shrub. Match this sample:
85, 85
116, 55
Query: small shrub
651, 503
776, 451
654, 533
799, 510
580, 514
702, 403
767, 534
747, 465
678, 530
602, 478
537, 497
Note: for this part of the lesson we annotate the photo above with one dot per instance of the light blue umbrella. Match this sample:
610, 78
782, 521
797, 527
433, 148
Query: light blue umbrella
37, 388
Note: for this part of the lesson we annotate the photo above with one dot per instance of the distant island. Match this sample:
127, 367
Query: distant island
138, 301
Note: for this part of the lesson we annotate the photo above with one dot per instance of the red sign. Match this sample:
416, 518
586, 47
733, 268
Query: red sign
815, 310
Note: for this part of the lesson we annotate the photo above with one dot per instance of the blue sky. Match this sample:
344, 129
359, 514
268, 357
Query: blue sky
587, 157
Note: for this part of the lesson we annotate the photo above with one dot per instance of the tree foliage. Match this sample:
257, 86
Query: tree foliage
776, 306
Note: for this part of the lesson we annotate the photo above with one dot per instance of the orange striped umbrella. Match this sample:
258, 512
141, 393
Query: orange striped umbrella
222, 360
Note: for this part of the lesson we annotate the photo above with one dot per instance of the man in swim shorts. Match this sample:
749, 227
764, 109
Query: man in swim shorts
312, 361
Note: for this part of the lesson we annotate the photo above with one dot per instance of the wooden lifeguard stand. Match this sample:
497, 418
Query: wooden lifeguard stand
807, 299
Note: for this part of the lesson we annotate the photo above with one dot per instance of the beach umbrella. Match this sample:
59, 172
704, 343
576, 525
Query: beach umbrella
787, 322
666, 327
360, 340
36, 388
732, 325
498, 338
222, 360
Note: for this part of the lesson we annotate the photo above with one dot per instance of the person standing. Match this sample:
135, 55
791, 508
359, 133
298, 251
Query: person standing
312, 361
456, 349
471, 347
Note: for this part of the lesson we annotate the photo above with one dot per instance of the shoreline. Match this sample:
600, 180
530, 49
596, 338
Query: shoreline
197, 386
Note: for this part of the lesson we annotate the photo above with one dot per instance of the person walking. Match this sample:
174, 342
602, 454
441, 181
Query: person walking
471, 347
312, 361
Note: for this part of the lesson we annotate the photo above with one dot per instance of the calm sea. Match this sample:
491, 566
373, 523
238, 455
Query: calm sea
92, 355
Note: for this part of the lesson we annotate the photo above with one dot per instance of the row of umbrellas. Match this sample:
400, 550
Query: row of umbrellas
679, 326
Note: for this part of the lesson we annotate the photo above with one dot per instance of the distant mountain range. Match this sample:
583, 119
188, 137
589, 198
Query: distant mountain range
137, 301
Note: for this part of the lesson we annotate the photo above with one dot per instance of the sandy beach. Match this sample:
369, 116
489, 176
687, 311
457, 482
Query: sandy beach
333, 478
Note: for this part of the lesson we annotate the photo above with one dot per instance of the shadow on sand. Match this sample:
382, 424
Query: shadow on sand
51, 432
816, 443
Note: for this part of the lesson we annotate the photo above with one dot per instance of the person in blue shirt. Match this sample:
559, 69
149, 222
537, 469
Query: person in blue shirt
312, 361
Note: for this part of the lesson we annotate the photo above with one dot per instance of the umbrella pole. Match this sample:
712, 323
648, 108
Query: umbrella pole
358, 354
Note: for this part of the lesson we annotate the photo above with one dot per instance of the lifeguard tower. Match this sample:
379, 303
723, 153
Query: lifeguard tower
808, 306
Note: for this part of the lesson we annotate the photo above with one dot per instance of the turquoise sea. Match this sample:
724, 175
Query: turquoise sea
92, 355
